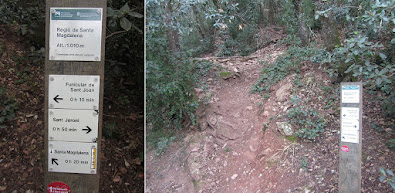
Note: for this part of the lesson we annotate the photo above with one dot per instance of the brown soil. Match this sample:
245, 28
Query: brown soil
22, 140
231, 153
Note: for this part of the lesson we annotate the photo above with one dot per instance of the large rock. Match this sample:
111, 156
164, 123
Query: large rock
285, 128
283, 92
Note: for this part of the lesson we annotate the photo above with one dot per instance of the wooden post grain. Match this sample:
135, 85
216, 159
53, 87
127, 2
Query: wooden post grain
79, 183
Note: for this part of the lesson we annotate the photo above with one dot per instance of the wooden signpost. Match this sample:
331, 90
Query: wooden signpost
350, 153
74, 75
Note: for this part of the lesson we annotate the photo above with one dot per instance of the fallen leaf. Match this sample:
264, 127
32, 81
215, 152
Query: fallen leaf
137, 161
117, 179
133, 116
123, 170
141, 175
29, 115
2, 188
127, 164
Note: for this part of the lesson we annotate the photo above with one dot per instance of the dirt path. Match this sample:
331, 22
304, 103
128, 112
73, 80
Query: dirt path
231, 154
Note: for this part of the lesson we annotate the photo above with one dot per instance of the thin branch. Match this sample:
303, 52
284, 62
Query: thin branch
115, 33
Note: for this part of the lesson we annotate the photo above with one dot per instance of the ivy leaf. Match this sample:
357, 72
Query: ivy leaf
110, 12
393, 39
136, 28
390, 172
125, 8
125, 24
382, 178
383, 56
24, 29
381, 169
135, 14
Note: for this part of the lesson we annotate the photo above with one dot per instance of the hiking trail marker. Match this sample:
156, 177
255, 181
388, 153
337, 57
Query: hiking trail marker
74, 74
350, 153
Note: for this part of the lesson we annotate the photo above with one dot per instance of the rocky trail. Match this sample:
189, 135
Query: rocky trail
232, 151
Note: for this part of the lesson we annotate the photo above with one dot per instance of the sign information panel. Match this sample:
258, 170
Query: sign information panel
75, 34
350, 94
350, 124
73, 92
73, 125
72, 157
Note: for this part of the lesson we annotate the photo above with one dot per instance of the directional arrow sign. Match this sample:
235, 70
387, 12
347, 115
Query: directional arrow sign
57, 98
88, 129
72, 157
73, 125
73, 92
350, 113
54, 161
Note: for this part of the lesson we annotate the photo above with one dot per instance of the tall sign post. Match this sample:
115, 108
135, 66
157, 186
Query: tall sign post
350, 153
74, 75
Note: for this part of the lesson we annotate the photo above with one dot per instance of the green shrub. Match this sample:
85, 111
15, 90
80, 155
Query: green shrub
307, 121
284, 65
170, 94
8, 105
28, 16
391, 144
388, 176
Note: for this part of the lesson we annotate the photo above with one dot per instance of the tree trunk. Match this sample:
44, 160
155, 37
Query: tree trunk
173, 40
331, 36
303, 32
271, 5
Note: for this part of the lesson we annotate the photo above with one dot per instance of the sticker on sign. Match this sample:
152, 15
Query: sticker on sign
75, 34
73, 92
58, 187
72, 157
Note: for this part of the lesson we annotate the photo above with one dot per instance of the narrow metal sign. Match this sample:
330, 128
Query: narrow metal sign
74, 92
72, 157
75, 34
73, 125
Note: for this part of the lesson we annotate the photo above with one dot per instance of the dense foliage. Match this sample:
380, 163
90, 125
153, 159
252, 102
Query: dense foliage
8, 105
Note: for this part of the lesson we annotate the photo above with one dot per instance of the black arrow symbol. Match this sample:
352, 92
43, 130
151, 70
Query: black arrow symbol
88, 130
57, 98
54, 160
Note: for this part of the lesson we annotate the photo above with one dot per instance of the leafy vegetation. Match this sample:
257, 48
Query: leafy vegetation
308, 121
283, 66
8, 105
388, 176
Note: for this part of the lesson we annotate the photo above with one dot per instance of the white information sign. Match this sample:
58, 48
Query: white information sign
75, 34
350, 94
350, 113
72, 157
73, 92
350, 124
73, 125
